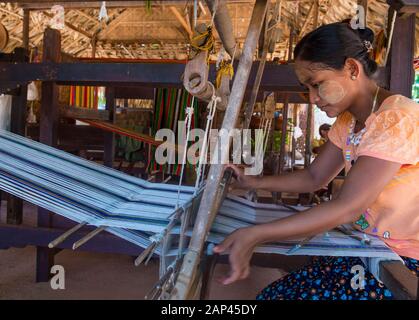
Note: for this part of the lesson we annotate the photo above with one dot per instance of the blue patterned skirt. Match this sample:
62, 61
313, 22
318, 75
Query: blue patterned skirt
329, 278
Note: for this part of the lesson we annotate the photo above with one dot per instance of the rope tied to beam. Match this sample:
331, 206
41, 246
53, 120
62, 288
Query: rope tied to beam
203, 41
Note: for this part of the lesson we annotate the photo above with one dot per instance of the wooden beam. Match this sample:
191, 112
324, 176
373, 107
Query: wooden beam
404, 6
25, 33
83, 113
110, 136
307, 19
10, 13
103, 33
402, 55
71, 136
17, 125
42, 5
182, 21
48, 135
71, 26
20, 236
275, 77
81, 13
316, 13
265, 37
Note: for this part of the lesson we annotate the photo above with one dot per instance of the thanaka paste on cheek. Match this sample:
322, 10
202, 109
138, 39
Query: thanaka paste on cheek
332, 92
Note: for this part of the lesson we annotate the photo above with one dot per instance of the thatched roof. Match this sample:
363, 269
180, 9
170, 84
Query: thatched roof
137, 32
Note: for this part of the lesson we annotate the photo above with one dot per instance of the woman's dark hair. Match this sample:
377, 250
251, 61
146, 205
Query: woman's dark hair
324, 127
333, 43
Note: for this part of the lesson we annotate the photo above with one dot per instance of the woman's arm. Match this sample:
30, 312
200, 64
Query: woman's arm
323, 169
366, 180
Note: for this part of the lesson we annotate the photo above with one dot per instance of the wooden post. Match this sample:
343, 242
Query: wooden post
305, 198
109, 151
25, 35
264, 41
94, 45
18, 121
309, 134
401, 55
294, 141
48, 135
279, 167
316, 14
283, 136
209, 205
290, 45
209, 264
17, 125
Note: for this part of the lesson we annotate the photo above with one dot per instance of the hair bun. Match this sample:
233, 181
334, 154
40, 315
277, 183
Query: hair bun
365, 34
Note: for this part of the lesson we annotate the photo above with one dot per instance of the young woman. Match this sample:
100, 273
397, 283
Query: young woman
376, 139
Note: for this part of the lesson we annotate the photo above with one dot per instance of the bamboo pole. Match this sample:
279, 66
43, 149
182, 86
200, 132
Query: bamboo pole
209, 205
255, 89
87, 237
65, 235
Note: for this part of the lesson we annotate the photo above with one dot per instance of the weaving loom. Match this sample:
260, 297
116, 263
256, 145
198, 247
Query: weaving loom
142, 212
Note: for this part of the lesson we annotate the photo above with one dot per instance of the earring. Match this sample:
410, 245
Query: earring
353, 77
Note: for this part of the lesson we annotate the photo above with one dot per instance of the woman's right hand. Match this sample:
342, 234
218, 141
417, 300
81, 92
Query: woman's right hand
241, 180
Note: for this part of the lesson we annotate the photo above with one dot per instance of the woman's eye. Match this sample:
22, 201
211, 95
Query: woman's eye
315, 85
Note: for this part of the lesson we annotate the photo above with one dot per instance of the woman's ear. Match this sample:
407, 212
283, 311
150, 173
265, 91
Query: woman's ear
352, 68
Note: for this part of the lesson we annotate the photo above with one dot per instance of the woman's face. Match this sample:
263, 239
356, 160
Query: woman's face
331, 90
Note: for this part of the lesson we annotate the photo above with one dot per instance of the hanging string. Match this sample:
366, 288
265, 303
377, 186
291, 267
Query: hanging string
234, 54
213, 14
212, 106
189, 113
390, 37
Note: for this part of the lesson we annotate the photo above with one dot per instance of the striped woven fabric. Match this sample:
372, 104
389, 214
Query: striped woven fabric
84, 97
134, 209
237, 213
170, 108
82, 190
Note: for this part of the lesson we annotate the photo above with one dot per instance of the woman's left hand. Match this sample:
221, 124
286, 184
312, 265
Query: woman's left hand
240, 244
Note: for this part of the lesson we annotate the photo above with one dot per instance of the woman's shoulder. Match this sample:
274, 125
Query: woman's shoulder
399, 103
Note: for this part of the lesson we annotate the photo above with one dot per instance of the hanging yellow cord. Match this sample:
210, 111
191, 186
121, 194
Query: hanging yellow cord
226, 68
208, 44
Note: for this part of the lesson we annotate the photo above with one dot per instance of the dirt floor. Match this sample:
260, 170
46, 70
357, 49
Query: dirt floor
90, 275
